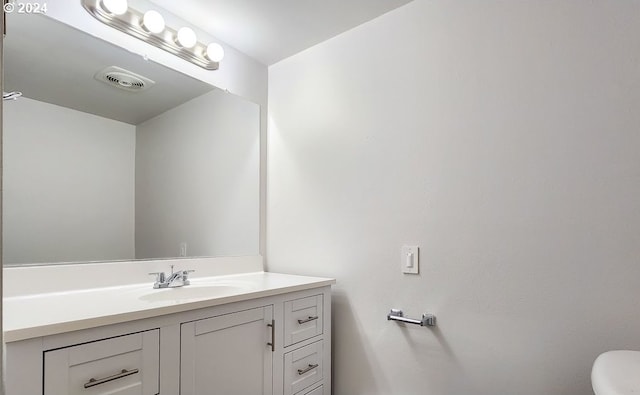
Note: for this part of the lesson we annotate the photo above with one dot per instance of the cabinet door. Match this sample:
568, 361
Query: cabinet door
228, 354
126, 365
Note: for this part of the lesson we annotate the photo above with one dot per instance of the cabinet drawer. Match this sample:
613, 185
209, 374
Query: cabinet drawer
303, 367
315, 391
302, 319
126, 365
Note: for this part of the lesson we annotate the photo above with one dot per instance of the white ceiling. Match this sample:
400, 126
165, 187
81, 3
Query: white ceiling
271, 30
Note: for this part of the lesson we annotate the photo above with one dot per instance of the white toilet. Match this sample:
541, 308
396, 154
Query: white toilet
616, 373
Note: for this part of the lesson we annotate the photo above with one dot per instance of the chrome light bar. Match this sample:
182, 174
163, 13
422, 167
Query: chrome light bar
131, 22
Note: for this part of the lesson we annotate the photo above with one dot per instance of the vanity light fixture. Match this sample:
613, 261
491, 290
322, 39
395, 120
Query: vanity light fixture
150, 27
116, 7
215, 52
153, 21
186, 37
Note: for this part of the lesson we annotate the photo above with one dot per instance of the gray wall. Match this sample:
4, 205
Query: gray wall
197, 179
68, 185
502, 138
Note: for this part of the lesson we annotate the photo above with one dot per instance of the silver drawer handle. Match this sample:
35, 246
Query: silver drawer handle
272, 325
307, 320
310, 367
124, 373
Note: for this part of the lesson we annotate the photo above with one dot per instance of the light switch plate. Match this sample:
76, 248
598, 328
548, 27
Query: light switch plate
410, 259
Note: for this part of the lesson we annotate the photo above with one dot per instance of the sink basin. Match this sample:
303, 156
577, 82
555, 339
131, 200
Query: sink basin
616, 373
194, 291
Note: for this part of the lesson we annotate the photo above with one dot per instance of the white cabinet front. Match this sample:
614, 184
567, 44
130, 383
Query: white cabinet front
125, 365
303, 367
229, 354
302, 319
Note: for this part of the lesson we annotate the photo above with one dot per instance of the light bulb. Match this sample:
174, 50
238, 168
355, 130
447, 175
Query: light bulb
215, 52
153, 21
187, 37
116, 7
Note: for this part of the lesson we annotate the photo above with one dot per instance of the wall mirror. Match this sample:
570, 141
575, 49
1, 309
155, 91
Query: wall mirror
108, 156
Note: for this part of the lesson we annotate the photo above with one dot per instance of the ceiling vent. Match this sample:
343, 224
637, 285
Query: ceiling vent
123, 79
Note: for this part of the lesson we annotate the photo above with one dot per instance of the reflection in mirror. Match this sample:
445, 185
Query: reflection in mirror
148, 163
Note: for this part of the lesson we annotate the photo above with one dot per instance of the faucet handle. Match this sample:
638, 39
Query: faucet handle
159, 276
185, 277
185, 273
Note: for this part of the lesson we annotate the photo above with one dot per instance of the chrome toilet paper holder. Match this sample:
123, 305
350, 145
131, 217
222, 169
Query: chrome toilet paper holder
397, 315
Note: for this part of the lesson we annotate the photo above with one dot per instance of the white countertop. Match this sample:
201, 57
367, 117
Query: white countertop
44, 314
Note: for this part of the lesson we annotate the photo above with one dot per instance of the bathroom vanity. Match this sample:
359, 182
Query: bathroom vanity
231, 331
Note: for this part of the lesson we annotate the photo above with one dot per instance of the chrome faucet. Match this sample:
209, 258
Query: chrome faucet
175, 279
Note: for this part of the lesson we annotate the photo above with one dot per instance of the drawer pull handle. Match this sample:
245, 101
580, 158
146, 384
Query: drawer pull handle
307, 320
308, 368
124, 373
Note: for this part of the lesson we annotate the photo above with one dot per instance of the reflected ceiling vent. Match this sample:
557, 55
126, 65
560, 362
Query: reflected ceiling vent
123, 79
